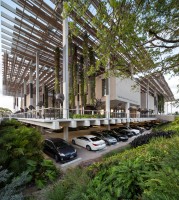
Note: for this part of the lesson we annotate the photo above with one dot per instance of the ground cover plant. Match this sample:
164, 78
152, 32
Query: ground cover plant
21, 151
147, 172
144, 139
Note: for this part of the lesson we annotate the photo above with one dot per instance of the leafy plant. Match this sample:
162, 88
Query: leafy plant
11, 189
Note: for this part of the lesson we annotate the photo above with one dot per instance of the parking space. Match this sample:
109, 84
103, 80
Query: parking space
83, 154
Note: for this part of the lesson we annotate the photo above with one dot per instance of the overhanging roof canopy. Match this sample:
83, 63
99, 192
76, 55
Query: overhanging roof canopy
36, 25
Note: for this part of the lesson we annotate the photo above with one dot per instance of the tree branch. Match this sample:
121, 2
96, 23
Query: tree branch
162, 39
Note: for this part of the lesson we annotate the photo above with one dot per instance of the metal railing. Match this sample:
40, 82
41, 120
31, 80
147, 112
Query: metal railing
59, 113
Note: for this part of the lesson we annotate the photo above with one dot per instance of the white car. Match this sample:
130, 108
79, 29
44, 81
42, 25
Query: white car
135, 131
90, 142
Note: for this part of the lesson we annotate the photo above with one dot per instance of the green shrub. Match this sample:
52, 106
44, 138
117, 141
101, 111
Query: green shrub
132, 173
72, 187
11, 188
21, 150
163, 184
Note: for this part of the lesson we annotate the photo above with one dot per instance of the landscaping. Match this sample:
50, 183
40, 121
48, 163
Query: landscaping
149, 171
22, 161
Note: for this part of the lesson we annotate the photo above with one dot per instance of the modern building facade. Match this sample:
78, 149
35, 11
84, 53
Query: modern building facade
31, 32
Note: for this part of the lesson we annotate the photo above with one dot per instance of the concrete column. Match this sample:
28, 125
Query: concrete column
65, 69
108, 92
43, 100
65, 133
17, 103
25, 95
21, 96
31, 86
156, 101
127, 106
37, 83
147, 98
14, 104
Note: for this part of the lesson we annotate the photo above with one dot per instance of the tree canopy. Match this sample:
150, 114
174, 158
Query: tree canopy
4, 111
134, 35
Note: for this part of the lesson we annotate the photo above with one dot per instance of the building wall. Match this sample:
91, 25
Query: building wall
151, 102
128, 91
144, 101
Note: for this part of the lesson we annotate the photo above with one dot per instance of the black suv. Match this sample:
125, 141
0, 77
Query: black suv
59, 149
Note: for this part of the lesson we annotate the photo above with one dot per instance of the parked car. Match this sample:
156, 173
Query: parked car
127, 132
106, 137
59, 149
140, 128
119, 137
90, 142
135, 131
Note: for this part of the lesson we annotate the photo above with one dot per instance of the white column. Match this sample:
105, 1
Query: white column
155, 106
147, 98
108, 91
37, 83
25, 95
65, 68
31, 86
17, 103
14, 104
108, 95
127, 106
43, 100
21, 96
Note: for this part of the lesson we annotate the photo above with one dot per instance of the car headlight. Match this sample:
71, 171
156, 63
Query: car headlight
61, 154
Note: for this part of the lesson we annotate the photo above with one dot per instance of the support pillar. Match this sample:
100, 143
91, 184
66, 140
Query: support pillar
17, 103
108, 97
21, 97
25, 96
14, 104
65, 69
147, 99
65, 133
37, 83
156, 103
43, 100
31, 86
127, 112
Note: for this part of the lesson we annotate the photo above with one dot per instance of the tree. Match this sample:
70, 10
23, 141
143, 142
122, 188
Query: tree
4, 111
137, 36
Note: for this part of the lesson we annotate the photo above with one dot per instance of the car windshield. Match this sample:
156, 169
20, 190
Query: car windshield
61, 144
106, 135
95, 139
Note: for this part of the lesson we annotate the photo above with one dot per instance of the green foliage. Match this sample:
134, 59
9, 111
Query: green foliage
11, 190
57, 68
135, 31
71, 187
161, 103
79, 116
21, 150
162, 184
138, 173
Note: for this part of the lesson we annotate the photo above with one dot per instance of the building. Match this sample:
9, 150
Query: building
31, 33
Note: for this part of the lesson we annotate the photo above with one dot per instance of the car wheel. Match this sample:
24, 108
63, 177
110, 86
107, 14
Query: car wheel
56, 158
73, 142
88, 148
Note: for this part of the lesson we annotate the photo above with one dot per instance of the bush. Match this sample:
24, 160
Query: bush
144, 139
21, 150
73, 186
134, 174
11, 189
